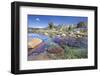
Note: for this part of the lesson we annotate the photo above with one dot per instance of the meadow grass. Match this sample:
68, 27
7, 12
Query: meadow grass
74, 52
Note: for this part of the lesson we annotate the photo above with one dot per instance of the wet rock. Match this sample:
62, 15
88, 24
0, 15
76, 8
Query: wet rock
41, 56
39, 49
56, 52
34, 42
77, 42
80, 42
59, 40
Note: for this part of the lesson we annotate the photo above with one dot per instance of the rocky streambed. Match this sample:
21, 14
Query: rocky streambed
57, 47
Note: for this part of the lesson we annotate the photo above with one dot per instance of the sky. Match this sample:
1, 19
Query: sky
41, 21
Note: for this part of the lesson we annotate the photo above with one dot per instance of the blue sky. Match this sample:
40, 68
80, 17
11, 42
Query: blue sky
41, 21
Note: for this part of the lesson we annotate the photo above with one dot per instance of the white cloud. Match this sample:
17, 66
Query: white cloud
37, 19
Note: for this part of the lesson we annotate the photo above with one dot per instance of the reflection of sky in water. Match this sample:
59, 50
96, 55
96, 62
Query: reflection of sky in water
40, 36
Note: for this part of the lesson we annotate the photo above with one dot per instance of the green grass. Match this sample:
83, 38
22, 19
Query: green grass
74, 53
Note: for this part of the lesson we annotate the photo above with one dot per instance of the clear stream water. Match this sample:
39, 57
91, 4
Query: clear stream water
40, 36
82, 42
